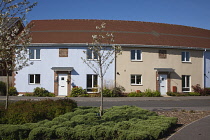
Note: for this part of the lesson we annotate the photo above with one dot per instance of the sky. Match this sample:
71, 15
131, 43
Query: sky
195, 13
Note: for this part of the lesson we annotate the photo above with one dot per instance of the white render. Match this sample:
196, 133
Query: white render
207, 69
50, 58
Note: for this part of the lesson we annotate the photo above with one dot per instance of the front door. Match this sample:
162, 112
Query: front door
62, 84
163, 83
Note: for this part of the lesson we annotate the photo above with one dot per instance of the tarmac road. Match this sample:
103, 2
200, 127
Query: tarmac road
151, 103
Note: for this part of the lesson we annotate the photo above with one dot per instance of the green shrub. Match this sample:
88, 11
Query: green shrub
3, 88
119, 122
35, 111
146, 93
13, 91
41, 133
114, 92
14, 132
150, 93
42, 92
78, 91
135, 94
193, 94
64, 133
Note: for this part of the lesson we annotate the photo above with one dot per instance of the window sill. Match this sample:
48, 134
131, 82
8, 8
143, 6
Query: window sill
186, 62
136, 61
136, 84
35, 59
34, 84
92, 59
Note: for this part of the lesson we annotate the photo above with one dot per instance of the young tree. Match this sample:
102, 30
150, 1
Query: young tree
103, 52
14, 38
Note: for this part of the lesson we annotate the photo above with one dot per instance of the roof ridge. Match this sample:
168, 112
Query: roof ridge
120, 21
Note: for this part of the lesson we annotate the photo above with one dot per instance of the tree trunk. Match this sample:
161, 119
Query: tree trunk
7, 92
101, 107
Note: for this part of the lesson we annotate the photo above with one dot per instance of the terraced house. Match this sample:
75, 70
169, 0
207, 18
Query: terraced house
155, 56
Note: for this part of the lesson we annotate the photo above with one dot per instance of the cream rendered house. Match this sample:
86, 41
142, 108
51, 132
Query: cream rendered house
159, 68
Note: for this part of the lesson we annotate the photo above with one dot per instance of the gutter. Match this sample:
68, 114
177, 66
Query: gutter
122, 45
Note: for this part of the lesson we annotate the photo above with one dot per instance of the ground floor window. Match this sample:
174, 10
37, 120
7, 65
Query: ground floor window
136, 79
185, 83
34, 78
92, 83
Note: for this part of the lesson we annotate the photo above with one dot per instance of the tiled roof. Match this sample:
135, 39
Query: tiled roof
125, 32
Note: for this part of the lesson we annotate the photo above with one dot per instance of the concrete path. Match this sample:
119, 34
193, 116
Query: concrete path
198, 130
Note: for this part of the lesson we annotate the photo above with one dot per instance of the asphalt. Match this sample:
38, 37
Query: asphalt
198, 130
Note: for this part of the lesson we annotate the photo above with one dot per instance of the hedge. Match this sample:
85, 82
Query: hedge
122, 122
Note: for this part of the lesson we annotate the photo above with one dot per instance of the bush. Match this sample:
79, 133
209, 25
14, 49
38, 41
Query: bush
3, 88
78, 91
146, 93
42, 92
120, 122
14, 132
201, 91
177, 94
41, 133
13, 91
114, 92
150, 93
135, 94
193, 94
33, 111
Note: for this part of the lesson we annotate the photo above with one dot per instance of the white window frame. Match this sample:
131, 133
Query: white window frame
92, 55
34, 79
135, 79
93, 87
136, 54
35, 51
185, 83
184, 54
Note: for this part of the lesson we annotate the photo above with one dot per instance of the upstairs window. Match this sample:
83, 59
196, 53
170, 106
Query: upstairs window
63, 52
136, 80
185, 83
163, 54
91, 55
34, 54
34, 78
185, 56
92, 83
136, 55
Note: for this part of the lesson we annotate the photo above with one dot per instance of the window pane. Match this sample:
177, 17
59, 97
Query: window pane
138, 79
132, 79
187, 56
89, 81
37, 53
31, 54
95, 82
31, 79
183, 56
132, 54
138, 54
95, 55
89, 54
183, 81
37, 78
188, 81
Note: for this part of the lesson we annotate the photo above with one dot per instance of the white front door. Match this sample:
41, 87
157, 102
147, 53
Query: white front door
163, 83
62, 84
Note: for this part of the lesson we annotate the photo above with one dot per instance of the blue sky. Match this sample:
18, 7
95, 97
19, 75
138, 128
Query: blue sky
194, 13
